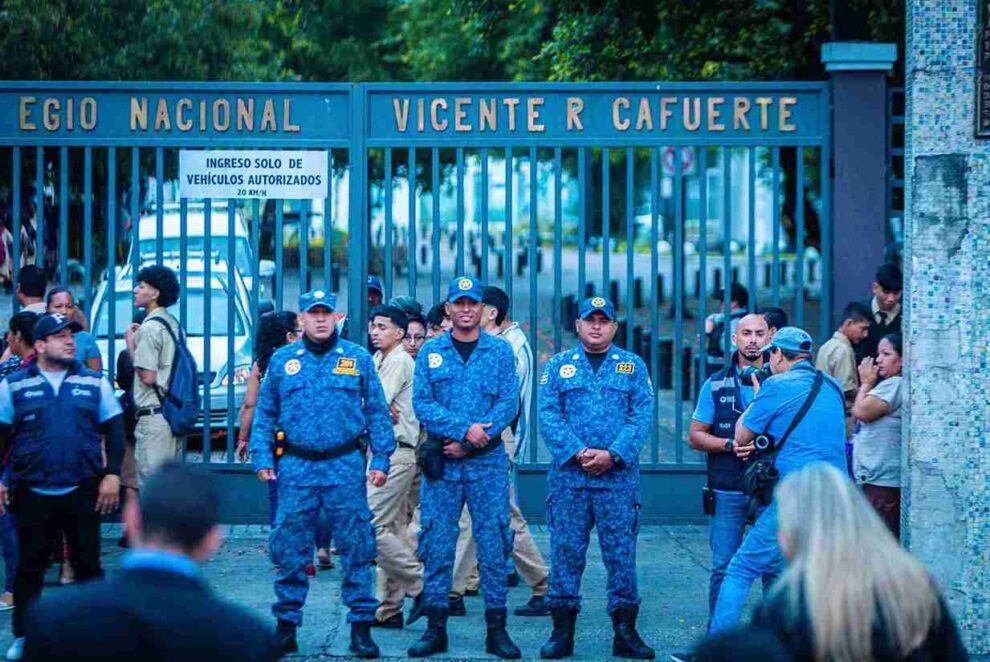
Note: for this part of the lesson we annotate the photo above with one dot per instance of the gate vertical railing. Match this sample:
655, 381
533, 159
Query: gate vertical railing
534, 187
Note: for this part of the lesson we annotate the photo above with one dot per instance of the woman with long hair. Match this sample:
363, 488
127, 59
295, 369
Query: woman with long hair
850, 591
877, 445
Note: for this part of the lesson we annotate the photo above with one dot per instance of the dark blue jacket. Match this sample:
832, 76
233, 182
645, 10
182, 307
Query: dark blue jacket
56, 438
725, 470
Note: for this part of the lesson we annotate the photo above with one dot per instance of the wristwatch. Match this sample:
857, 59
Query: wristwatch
727, 446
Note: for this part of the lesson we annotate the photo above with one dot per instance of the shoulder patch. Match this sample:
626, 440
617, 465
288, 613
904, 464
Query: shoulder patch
545, 377
568, 370
434, 360
346, 366
292, 366
626, 368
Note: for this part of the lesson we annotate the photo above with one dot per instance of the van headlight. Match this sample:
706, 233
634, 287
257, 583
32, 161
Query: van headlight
242, 374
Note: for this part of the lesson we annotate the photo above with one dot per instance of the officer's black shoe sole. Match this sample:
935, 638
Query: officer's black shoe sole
456, 607
619, 650
390, 623
429, 648
506, 653
551, 652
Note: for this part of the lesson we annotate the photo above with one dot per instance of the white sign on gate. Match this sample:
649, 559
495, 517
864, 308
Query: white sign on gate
299, 174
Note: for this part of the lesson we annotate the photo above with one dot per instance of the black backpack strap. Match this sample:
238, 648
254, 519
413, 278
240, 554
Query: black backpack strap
816, 387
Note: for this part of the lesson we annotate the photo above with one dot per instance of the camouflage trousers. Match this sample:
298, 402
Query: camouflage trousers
571, 514
345, 508
441, 502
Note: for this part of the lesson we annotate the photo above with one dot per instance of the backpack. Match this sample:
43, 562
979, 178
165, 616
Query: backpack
180, 402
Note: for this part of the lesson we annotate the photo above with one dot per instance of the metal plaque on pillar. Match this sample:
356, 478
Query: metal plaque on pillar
983, 72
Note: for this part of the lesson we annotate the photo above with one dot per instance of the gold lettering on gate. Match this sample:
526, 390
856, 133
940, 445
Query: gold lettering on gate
49, 114
139, 113
692, 124
740, 106
645, 117
182, 122
268, 117
574, 107
618, 122
401, 109
162, 119
460, 114
221, 121
87, 114
245, 114
486, 114
785, 114
435, 122
24, 115
665, 112
287, 125
764, 104
511, 104
533, 124
714, 113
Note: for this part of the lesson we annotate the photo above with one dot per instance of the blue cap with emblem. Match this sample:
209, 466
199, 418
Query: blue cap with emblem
315, 298
465, 286
50, 324
375, 283
596, 305
791, 339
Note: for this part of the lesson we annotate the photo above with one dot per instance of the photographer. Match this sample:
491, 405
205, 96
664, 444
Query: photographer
723, 399
799, 411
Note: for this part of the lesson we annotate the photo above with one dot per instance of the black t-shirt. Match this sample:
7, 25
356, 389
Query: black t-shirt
464, 348
597, 359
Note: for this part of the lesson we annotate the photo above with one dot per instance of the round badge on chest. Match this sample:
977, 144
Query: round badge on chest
292, 366
567, 371
434, 360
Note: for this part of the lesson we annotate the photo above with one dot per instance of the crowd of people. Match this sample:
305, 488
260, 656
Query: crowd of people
406, 456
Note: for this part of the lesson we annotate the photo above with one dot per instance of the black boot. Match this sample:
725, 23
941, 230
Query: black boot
627, 642
362, 645
285, 637
434, 640
417, 610
561, 643
391, 623
497, 641
537, 606
456, 606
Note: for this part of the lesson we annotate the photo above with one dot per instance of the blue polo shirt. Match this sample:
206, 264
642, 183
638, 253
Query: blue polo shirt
819, 437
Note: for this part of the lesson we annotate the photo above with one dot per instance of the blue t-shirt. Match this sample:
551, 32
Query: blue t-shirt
819, 437
704, 410
86, 346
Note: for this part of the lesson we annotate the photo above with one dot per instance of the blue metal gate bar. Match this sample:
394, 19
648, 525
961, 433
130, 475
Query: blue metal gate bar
799, 242
136, 214
702, 264
16, 176
279, 257
657, 296
775, 166
606, 227
255, 267
460, 210
727, 251
507, 251
159, 208
388, 224
88, 235
678, 308
111, 252
63, 216
435, 237
583, 198
232, 367
630, 241
751, 283
207, 329
304, 275
558, 240
531, 263
39, 206
825, 232
483, 274
328, 283
413, 240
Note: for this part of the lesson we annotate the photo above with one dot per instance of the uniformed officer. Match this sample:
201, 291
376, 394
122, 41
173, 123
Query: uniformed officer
595, 404
465, 393
322, 392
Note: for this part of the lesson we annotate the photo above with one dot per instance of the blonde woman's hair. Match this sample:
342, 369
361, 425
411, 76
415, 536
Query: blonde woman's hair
846, 570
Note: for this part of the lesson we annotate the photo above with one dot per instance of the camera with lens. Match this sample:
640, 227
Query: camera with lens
762, 374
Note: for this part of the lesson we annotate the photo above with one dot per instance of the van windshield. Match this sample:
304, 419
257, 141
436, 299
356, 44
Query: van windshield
195, 246
194, 326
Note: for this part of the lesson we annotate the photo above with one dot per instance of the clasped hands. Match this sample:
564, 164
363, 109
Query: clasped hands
594, 461
477, 436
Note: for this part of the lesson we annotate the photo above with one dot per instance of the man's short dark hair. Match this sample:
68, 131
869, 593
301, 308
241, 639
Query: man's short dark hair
162, 279
179, 505
890, 278
416, 318
394, 313
792, 355
436, 317
407, 304
497, 299
32, 281
776, 318
857, 312
23, 324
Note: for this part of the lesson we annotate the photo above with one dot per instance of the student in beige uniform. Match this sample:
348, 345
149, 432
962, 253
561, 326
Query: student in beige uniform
525, 554
153, 351
400, 571
837, 357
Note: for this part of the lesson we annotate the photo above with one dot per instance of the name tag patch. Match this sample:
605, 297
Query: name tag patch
626, 368
346, 366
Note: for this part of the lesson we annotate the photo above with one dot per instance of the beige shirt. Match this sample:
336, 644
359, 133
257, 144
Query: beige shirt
153, 350
516, 337
837, 358
396, 374
39, 308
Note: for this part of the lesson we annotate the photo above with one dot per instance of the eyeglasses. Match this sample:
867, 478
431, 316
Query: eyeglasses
416, 339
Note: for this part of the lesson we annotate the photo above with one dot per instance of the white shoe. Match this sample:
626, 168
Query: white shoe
16, 650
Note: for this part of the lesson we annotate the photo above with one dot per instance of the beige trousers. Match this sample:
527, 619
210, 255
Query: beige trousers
399, 570
154, 445
525, 554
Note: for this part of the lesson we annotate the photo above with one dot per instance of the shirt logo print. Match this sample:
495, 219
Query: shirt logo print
292, 366
435, 360
567, 371
626, 368
346, 366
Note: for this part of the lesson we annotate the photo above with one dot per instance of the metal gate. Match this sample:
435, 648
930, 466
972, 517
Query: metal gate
654, 194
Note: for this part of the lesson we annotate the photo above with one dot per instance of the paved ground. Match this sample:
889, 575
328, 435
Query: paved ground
673, 573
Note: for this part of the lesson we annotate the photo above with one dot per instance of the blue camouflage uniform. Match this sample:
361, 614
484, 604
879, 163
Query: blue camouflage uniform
608, 409
449, 396
322, 402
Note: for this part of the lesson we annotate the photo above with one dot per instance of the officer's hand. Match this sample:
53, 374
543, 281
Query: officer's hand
756, 385
376, 478
454, 451
596, 462
266, 475
477, 435
743, 451
4, 499
394, 411
109, 495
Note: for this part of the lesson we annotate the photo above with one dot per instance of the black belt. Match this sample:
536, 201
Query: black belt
148, 411
307, 454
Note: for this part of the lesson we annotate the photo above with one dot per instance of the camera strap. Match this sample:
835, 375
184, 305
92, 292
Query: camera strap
816, 387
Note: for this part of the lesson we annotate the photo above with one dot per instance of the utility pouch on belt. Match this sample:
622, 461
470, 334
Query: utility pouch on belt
279, 445
431, 458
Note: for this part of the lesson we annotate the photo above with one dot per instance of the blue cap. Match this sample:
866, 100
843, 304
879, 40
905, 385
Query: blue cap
311, 300
464, 286
50, 324
792, 339
597, 305
375, 283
